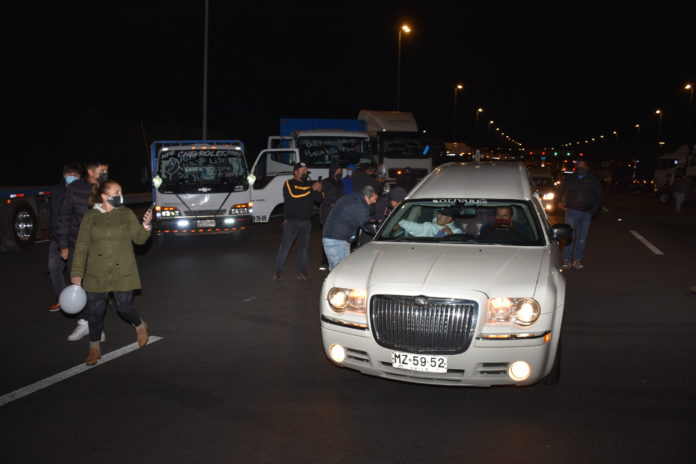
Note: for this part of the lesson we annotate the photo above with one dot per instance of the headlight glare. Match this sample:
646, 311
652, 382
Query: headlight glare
522, 311
526, 311
499, 309
549, 196
338, 298
347, 299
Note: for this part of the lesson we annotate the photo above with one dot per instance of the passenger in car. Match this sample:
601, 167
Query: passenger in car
441, 225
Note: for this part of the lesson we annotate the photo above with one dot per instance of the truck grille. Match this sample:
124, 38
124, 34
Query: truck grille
419, 324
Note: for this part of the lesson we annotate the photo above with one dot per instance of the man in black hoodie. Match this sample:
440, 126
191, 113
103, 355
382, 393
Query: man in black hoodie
580, 194
299, 195
332, 188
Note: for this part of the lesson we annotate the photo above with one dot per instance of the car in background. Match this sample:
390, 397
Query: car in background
479, 304
546, 185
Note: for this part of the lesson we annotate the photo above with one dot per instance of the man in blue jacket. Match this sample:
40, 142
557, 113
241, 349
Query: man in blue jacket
350, 213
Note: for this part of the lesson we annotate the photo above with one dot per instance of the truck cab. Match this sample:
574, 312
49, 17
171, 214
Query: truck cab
200, 187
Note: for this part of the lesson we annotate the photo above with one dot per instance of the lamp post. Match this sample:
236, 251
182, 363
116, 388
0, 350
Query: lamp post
405, 29
690, 88
457, 88
478, 110
658, 112
490, 135
205, 72
637, 126
616, 141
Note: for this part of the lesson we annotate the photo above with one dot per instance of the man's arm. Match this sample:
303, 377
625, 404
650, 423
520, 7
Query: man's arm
64, 222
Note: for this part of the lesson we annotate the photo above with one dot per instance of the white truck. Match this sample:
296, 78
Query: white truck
200, 187
317, 142
397, 143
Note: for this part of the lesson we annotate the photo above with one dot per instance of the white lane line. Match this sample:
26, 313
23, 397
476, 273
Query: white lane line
605, 209
48, 381
249, 299
645, 242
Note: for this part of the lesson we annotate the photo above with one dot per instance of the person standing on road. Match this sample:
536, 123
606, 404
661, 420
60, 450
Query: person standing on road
348, 180
299, 195
679, 188
350, 213
581, 196
332, 188
104, 262
73, 208
57, 266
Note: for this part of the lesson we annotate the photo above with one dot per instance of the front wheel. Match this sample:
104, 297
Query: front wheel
21, 232
663, 197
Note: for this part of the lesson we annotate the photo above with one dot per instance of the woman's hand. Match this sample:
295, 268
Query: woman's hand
76, 280
147, 218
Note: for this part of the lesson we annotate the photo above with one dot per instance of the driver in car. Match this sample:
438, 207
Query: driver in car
503, 220
440, 226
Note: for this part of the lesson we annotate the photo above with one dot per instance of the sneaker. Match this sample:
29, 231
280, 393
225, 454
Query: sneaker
80, 331
54, 307
278, 276
103, 337
577, 265
302, 276
565, 266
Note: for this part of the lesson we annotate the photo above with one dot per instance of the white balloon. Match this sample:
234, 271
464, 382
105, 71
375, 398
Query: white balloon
72, 299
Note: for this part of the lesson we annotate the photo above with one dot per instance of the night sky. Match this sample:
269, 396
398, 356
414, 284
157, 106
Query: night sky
80, 80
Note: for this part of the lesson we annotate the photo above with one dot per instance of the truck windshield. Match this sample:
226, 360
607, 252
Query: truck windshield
208, 171
323, 151
401, 145
464, 221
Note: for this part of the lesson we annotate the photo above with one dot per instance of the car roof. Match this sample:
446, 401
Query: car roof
498, 180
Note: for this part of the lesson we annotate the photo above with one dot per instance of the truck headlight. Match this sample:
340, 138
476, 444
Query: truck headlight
523, 311
347, 299
549, 196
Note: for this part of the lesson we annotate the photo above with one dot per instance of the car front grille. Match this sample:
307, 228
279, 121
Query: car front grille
423, 325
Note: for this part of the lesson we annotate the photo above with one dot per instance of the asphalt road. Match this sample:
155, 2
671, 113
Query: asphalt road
239, 374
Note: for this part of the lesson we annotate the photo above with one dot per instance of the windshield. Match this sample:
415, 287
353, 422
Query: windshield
404, 145
324, 151
471, 221
208, 171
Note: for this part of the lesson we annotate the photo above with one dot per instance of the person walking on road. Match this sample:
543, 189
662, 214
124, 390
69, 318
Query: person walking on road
350, 213
73, 208
679, 188
332, 188
299, 195
581, 196
56, 266
104, 262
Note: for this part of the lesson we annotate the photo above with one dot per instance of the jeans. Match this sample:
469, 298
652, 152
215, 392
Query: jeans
56, 268
294, 229
580, 222
96, 309
678, 200
336, 251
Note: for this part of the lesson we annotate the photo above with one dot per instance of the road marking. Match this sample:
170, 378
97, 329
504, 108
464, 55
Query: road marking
48, 381
645, 242
605, 209
249, 299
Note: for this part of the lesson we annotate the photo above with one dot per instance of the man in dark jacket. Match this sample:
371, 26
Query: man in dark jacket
299, 195
332, 188
366, 175
72, 210
580, 194
350, 213
56, 266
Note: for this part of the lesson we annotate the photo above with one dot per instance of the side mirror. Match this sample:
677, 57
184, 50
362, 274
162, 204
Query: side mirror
371, 227
561, 231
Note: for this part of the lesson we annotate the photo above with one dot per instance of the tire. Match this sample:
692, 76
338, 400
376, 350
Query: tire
21, 229
555, 375
664, 197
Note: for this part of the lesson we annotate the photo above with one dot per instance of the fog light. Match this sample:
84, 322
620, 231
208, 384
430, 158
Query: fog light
182, 223
337, 353
519, 371
229, 221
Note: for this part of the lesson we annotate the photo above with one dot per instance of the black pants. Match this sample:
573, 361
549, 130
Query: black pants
96, 310
294, 229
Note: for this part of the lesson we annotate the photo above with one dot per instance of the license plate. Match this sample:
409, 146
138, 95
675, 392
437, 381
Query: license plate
419, 362
205, 223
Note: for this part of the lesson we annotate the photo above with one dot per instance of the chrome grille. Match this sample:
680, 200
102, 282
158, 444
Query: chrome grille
419, 324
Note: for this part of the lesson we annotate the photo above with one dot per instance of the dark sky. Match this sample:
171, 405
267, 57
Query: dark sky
82, 77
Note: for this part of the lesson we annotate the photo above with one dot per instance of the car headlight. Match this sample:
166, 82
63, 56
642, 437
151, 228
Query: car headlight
523, 311
347, 299
549, 196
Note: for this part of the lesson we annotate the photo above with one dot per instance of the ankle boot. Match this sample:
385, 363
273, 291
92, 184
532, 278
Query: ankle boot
141, 334
94, 354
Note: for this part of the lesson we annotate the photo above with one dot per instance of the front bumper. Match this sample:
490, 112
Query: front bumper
201, 225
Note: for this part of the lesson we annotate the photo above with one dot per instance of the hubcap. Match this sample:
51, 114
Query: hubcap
24, 226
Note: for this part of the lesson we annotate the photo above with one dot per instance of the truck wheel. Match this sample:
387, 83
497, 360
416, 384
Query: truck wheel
21, 232
555, 375
663, 197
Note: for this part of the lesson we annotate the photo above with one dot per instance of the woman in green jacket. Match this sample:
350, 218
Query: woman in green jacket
104, 261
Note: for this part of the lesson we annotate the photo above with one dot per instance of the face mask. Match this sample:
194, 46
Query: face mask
103, 177
581, 171
115, 201
70, 179
304, 177
503, 222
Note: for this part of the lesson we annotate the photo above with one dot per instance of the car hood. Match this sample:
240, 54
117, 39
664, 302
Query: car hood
415, 268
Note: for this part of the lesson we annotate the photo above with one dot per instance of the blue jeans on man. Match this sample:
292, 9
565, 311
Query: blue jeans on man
580, 222
336, 251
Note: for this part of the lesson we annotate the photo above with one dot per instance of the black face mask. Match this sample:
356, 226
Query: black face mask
115, 201
103, 177
304, 177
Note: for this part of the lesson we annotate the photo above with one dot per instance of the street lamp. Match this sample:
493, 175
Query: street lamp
690, 88
205, 72
457, 88
658, 112
616, 141
478, 110
490, 135
407, 30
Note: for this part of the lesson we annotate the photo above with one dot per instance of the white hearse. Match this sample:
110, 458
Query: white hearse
476, 302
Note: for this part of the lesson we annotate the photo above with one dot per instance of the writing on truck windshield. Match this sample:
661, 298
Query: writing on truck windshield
324, 151
401, 145
209, 171
464, 220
